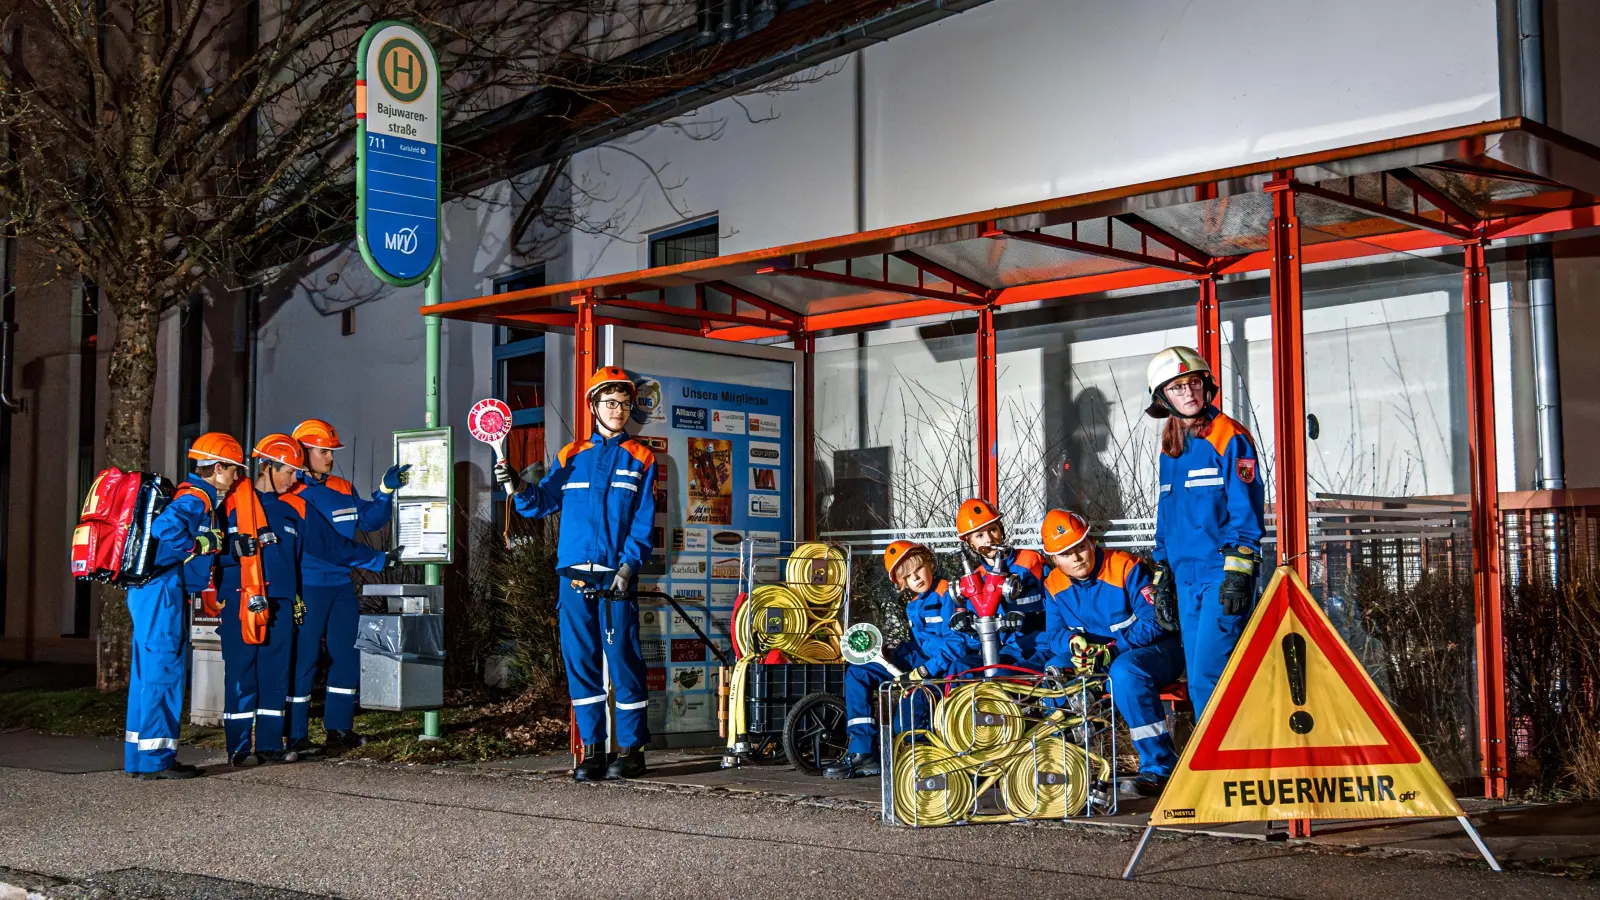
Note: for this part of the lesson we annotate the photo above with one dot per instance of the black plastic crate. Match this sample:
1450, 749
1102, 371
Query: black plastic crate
771, 689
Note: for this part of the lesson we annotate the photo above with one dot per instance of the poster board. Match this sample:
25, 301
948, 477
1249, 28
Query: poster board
423, 521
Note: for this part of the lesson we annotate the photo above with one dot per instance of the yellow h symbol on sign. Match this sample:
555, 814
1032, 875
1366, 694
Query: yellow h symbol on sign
403, 70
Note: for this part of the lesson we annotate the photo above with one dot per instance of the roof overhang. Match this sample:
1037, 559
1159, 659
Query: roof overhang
1488, 181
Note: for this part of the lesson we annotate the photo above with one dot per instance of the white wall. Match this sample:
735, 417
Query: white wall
1025, 100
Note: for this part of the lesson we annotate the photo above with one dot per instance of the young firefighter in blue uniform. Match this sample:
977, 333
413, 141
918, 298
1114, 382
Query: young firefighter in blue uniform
1209, 518
332, 609
978, 524
269, 532
1101, 618
187, 539
932, 650
604, 490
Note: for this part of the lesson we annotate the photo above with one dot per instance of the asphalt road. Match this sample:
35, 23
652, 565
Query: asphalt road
363, 831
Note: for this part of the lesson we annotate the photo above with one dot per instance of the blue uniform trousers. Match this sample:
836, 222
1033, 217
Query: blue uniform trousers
861, 702
257, 678
584, 645
1137, 677
333, 613
1208, 635
155, 684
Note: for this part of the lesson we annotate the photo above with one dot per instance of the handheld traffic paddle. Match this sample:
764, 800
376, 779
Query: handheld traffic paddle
489, 420
863, 644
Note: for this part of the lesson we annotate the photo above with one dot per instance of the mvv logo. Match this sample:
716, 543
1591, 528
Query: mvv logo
403, 241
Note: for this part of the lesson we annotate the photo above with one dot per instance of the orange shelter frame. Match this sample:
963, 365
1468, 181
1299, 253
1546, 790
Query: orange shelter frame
1462, 187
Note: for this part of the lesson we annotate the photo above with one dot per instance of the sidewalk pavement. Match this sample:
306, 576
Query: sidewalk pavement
1555, 836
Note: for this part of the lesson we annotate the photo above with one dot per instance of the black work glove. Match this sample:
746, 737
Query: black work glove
1166, 597
1013, 621
504, 474
963, 621
1238, 590
392, 557
241, 545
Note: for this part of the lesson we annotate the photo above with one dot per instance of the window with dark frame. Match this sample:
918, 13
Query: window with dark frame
347, 321
685, 243
519, 376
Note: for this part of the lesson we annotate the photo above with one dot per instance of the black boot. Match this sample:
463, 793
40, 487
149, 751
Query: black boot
1149, 784
340, 741
176, 770
244, 761
856, 765
628, 764
305, 749
593, 767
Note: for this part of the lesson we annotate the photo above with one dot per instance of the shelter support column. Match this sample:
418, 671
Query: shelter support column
1208, 328
806, 343
584, 363
988, 410
1288, 391
1485, 522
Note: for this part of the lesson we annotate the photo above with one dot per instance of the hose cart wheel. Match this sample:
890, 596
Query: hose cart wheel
814, 735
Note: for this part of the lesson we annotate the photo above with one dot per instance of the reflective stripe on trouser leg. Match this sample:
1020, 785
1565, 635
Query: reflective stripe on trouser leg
155, 688
239, 681
307, 657
1137, 677
581, 650
860, 703
272, 676
625, 665
344, 661
1208, 635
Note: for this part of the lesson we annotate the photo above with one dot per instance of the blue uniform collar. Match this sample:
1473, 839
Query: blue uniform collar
204, 485
600, 440
305, 476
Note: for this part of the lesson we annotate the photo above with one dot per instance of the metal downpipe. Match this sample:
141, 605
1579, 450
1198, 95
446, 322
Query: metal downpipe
1552, 473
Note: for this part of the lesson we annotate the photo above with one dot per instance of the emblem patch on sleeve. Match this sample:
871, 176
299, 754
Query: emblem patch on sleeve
1247, 470
1148, 592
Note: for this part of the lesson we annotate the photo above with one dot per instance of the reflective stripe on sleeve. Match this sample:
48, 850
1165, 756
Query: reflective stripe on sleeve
148, 744
349, 691
131, 737
932, 619
305, 699
1125, 622
626, 473
864, 720
574, 485
243, 715
639, 705
1203, 482
626, 486
1201, 473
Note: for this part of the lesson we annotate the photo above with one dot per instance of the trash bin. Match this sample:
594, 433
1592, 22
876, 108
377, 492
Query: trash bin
402, 650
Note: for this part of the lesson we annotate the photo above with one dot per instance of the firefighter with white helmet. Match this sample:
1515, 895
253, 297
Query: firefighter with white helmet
1209, 517
604, 490
1100, 617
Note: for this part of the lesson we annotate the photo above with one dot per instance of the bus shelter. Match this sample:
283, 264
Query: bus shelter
1460, 194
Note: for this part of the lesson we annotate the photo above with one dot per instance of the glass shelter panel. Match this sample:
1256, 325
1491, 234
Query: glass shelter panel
1388, 483
1072, 431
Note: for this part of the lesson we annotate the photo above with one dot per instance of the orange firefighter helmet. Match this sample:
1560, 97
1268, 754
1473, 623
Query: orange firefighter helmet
1062, 531
281, 448
609, 375
975, 515
214, 446
317, 433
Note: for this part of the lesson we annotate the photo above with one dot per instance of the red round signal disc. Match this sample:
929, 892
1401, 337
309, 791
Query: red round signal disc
489, 420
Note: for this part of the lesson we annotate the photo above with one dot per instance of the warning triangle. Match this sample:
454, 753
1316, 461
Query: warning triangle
1297, 730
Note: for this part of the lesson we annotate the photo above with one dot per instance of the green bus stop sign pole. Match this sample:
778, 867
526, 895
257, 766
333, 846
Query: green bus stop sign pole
399, 151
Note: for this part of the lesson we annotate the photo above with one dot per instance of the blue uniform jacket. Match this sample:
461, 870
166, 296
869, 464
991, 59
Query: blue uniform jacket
932, 644
1211, 498
301, 532
604, 489
1114, 605
339, 503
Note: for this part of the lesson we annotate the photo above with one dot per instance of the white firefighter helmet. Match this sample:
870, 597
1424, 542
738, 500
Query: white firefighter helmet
1170, 364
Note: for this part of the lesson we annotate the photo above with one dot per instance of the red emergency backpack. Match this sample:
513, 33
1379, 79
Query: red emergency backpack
112, 542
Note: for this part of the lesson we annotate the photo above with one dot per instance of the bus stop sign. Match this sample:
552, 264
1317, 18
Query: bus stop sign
397, 153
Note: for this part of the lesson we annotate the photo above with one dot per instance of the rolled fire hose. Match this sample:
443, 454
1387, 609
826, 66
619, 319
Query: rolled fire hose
817, 572
801, 636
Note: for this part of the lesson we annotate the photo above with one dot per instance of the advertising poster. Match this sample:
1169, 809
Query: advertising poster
723, 466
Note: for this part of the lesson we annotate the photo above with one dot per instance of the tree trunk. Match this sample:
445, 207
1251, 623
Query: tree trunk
131, 393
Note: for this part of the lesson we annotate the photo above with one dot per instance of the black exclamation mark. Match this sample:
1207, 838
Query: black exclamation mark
1294, 659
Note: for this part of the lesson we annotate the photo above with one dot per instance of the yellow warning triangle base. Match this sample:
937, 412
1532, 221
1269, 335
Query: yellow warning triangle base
1297, 730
